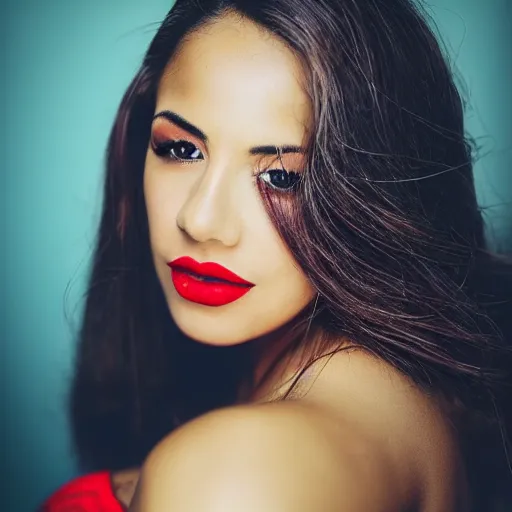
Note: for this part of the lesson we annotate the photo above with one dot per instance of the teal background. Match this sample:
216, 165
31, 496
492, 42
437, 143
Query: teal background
65, 67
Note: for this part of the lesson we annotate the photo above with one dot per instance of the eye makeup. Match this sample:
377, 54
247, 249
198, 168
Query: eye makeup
183, 126
179, 122
163, 131
291, 160
281, 172
176, 140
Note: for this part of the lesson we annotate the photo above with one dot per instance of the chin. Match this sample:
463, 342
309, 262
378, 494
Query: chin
212, 326
214, 338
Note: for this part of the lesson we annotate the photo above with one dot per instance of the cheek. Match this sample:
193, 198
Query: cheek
291, 284
284, 275
162, 198
281, 275
273, 257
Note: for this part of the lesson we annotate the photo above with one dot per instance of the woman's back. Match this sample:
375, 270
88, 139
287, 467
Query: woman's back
371, 439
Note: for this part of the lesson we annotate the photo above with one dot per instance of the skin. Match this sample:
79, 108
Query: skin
360, 436
240, 96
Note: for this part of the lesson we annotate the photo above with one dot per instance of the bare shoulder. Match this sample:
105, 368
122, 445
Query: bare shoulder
287, 456
415, 435
362, 438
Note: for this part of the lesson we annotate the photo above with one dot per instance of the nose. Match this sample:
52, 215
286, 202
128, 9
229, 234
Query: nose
208, 213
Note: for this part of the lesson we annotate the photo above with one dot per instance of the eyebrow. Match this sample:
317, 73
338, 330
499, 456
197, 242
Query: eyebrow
182, 123
196, 132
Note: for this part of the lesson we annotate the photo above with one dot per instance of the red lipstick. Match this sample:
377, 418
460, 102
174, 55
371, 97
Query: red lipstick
207, 283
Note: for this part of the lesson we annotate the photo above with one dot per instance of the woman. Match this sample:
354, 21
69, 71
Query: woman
291, 295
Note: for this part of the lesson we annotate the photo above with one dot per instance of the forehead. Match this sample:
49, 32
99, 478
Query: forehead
233, 71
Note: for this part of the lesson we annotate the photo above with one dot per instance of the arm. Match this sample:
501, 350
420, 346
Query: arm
285, 457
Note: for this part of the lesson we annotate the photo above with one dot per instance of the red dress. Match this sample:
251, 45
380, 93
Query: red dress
89, 493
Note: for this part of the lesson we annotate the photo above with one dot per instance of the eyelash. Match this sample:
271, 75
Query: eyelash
166, 149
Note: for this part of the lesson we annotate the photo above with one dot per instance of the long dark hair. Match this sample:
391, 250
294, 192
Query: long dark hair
387, 229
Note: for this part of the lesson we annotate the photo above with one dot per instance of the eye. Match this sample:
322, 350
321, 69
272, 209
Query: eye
181, 150
280, 179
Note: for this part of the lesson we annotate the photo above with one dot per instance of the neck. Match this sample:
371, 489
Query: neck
279, 357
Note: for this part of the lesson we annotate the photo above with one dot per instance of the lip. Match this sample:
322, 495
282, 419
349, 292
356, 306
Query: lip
221, 287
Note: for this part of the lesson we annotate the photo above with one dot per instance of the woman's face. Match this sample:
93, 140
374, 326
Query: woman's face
230, 96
